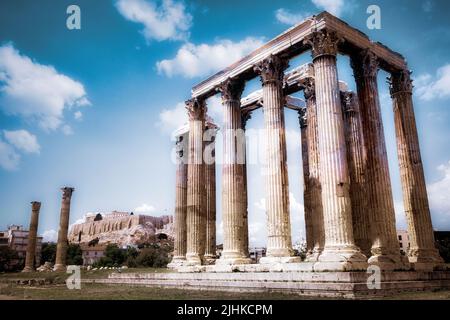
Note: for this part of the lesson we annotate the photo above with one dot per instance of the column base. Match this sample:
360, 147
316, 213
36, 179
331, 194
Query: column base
176, 262
28, 269
210, 259
425, 259
275, 260
390, 262
194, 260
313, 256
341, 259
233, 258
59, 267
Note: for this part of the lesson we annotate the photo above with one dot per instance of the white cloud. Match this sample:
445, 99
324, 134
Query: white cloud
22, 140
50, 236
35, 91
167, 21
289, 18
9, 158
67, 130
335, 7
439, 192
144, 208
200, 60
172, 119
78, 115
429, 87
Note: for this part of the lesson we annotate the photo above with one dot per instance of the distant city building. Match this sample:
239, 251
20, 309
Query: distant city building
16, 237
257, 253
92, 254
403, 240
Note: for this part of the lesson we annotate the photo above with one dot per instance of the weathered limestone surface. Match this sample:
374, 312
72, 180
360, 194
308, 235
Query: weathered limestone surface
340, 252
210, 181
385, 247
279, 245
234, 200
61, 247
196, 190
422, 252
179, 253
356, 158
313, 185
32, 234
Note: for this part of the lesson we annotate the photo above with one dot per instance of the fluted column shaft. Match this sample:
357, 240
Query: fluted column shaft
422, 252
32, 234
340, 252
356, 158
385, 246
245, 117
196, 189
210, 181
313, 185
279, 244
179, 252
234, 202
61, 247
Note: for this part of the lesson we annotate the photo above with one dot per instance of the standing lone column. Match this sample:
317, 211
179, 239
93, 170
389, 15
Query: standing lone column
356, 158
196, 189
385, 246
32, 234
422, 252
279, 244
234, 202
210, 181
314, 187
179, 252
61, 248
340, 252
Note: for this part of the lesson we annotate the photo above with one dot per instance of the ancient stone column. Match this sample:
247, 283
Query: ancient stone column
210, 181
61, 247
245, 117
422, 252
340, 251
179, 252
385, 246
32, 234
234, 206
279, 244
356, 158
306, 184
196, 189
313, 185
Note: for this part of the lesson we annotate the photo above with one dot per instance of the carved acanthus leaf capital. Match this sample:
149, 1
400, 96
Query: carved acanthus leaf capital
271, 69
323, 43
35, 205
231, 89
196, 109
309, 88
245, 116
400, 82
67, 192
349, 102
302, 117
365, 64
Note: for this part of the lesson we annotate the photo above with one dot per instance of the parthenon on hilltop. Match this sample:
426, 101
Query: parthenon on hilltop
349, 209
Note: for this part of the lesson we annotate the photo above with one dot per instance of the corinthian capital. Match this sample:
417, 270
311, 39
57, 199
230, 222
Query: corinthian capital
400, 82
271, 69
323, 43
245, 116
364, 64
35, 206
67, 192
231, 89
309, 88
348, 102
196, 109
302, 117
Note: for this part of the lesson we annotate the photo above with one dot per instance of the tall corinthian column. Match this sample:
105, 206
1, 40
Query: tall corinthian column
356, 158
210, 182
196, 189
279, 244
340, 252
422, 252
234, 201
313, 185
179, 252
385, 246
32, 234
61, 247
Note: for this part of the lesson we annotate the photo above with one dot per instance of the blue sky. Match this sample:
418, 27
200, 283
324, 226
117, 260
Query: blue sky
94, 108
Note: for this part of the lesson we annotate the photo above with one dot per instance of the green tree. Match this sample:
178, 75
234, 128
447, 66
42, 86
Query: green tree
48, 252
7, 255
74, 255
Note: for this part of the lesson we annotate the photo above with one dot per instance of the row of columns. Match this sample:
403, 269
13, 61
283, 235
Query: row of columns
61, 247
349, 212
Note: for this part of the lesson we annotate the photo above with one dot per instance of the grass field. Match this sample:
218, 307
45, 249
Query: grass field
57, 290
